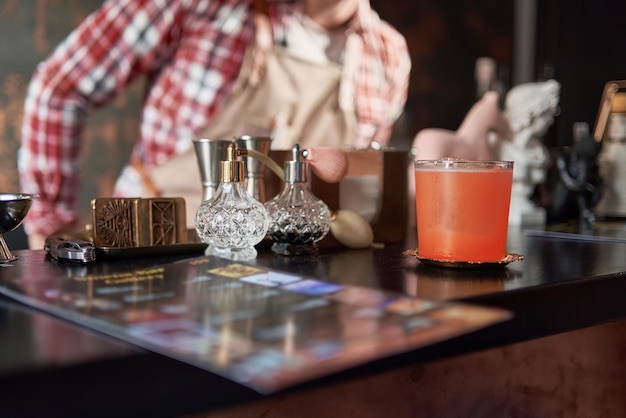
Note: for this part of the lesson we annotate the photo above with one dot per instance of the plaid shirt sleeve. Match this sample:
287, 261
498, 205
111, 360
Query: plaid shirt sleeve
119, 42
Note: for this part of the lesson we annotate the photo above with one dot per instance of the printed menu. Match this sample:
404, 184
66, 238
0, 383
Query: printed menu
258, 326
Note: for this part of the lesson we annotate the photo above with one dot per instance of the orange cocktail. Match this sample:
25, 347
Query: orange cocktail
462, 209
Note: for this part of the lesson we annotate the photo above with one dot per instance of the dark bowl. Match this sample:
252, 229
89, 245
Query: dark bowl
13, 209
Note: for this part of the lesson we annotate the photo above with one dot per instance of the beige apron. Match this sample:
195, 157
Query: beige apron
294, 101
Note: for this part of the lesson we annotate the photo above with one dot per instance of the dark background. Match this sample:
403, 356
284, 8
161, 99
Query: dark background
584, 43
445, 38
579, 43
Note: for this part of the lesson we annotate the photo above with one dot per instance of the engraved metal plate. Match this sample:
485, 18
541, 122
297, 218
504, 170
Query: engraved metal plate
138, 222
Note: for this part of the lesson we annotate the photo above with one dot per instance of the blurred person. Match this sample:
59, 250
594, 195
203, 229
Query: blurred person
313, 72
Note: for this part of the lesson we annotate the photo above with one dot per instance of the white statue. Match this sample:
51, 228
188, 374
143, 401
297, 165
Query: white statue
530, 109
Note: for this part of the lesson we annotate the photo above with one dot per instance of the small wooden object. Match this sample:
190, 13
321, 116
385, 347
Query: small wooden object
138, 222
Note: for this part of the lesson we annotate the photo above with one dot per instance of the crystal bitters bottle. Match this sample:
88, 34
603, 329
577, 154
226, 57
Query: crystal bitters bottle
231, 222
298, 219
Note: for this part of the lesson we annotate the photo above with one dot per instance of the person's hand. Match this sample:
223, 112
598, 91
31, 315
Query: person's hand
36, 241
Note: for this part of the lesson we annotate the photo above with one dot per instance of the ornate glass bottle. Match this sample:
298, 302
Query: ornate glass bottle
298, 219
231, 221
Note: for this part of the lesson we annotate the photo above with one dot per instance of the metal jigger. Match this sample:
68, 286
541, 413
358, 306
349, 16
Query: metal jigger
255, 169
210, 153
13, 210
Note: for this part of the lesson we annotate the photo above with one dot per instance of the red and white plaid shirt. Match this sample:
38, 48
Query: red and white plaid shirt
192, 51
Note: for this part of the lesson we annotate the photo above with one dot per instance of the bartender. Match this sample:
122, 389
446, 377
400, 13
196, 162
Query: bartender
315, 72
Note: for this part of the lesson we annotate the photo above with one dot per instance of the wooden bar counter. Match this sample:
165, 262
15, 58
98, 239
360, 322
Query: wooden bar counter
563, 353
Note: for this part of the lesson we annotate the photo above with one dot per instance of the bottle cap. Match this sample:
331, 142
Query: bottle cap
295, 170
232, 169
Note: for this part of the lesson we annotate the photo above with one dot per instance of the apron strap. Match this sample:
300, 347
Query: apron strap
347, 89
264, 41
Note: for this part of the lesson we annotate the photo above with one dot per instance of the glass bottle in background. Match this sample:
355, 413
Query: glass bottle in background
484, 75
612, 161
490, 76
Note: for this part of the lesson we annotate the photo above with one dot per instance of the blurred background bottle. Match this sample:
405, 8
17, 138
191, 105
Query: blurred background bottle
612, 161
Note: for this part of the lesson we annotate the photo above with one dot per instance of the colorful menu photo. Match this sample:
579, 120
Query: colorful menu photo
263, 328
